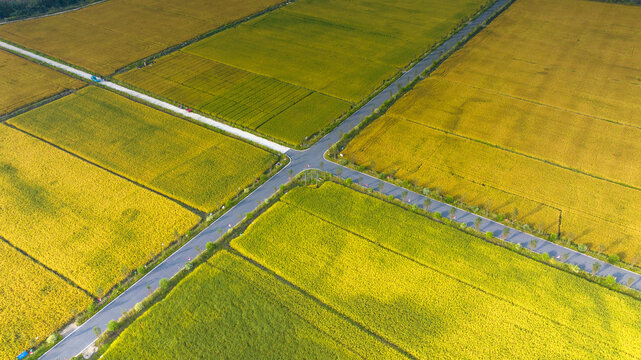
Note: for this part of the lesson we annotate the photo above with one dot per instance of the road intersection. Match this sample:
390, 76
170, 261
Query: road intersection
312, 158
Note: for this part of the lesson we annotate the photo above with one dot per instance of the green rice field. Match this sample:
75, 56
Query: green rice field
292, 72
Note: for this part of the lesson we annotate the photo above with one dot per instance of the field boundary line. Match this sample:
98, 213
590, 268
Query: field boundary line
498, 93
264, 76
37, 104
43, 265
285, 109
320, 302
192, 209
435, 269
280, 304
499, 147
202, 36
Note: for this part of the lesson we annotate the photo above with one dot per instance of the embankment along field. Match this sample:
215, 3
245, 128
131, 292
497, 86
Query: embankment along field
291, 72
24, 82
412, 287
112, 34
180, 159
538, 112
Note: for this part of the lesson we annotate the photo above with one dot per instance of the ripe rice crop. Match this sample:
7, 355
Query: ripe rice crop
538, 111
24, 82
91, 226
34, 302
197, 166
432, 290
292, 72
107, 36
483, 175
245, 313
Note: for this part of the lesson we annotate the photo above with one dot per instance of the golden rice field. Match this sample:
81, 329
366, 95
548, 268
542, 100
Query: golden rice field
110, 35
91, 226
290, 73
245, 314
185, 161
432, 290
416, 287
34, 302
273, 107
536, 112
24, 82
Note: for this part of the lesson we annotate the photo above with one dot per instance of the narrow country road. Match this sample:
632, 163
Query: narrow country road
148, 99
312, 158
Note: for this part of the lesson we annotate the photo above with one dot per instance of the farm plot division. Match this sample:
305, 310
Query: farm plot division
427, 288
34, 302
246, 314
23, 82
291, 72
185, 161
451, 295
110, 35
90, 226
536, 113
276, 108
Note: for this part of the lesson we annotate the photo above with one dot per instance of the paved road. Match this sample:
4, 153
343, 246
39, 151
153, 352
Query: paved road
148, 99
311, 158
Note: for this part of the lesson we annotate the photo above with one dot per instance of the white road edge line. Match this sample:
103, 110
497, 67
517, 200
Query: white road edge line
175, 109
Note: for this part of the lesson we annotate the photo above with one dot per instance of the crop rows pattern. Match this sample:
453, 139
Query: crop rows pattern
548, 133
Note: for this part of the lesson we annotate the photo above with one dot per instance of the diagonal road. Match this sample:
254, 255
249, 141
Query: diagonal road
148, 99
312, 158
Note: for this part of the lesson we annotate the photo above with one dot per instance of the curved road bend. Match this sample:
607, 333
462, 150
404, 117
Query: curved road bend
74, 343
